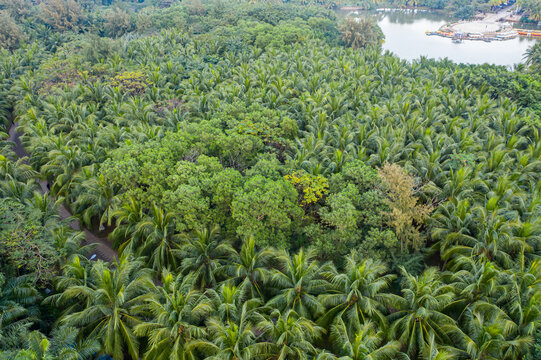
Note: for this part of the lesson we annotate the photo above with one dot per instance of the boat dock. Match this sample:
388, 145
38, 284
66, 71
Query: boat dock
485, 27
529, 33
504, 34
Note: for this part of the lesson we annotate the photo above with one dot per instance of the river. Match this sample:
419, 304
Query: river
405, 36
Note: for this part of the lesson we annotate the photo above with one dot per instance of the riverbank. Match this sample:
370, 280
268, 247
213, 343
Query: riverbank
405, 9
405, 36
507, 33
489, 27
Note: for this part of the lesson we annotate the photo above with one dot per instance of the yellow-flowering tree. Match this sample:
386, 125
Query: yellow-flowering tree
133, 82
311, 188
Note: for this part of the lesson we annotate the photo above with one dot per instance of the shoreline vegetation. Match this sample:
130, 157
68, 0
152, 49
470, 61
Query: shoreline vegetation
528, 10
266, 182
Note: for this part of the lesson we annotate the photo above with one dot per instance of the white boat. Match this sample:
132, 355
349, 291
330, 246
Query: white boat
507, 35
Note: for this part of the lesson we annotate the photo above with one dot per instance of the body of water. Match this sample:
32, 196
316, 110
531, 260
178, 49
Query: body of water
405, 36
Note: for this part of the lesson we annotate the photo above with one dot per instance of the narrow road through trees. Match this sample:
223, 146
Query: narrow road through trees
103, 250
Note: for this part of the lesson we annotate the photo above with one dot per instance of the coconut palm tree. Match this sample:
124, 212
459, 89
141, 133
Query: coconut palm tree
62, 345
452, 224
109, 299
63, 165
235, 335
204, 254
16, 169
368, 343
492, 240
129, 214
16, 190
486, 334
526, 237
47, 207
358, 296
435, 352
175, 331
159, 240
96, 198
250, 269
474, 281
520, 304
68, 243
420, 315
18, 311
298, 280
292, 336
75, 273
533, 56
227, 301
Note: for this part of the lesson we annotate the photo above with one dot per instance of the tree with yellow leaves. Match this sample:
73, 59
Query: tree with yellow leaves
405, 216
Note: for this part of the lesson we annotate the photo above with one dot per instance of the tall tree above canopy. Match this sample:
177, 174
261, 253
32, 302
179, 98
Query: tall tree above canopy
62, 15
11, 34
361, 32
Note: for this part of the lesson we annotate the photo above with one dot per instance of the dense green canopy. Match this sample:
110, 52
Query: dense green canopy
250, 181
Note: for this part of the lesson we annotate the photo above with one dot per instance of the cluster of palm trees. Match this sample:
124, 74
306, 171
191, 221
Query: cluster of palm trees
271, 304
474, 158
348, 105
20, 298
20, 295
531, 7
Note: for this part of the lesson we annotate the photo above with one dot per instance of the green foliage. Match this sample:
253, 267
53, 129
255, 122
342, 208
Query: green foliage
533, 58
118, 22
11, 34
18, 310
532, 7
32, 240
356, 172
458, 8
523, 88
310, 188
353, 216
109, 300
379, 244
26, 251
243, 128
462, 9
536, 352
61, 345
267, 210
361, 32
62, 15
133, 83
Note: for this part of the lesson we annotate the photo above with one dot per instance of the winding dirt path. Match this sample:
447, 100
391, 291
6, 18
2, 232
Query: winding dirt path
103, 250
